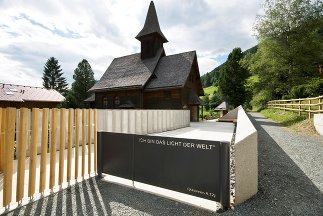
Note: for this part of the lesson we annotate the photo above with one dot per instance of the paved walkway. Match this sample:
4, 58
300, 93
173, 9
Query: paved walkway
290, 183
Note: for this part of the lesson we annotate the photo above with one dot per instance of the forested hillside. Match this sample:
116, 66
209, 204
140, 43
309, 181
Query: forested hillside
211, 78
286, 63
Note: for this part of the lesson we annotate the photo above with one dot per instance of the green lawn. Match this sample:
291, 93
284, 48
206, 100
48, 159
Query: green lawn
209, 90
291, 120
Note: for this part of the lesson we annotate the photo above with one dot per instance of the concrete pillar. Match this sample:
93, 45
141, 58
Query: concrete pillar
132, 121
144, 123
159, 121
168, 125
138, 122
116, 121
155, 121
125, 121
150, 121
164, 120
172, 118
109, 121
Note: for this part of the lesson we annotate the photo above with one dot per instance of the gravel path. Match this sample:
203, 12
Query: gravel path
290, 183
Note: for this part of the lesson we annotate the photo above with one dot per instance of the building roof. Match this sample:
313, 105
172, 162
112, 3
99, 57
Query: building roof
128, 72
19, 93
172, 70
90, 99
132, 72
151, 24
193, 99
223, 106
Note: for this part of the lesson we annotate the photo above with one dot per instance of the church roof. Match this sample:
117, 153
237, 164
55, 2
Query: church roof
128, 72
153, 73
151, 24
172, 70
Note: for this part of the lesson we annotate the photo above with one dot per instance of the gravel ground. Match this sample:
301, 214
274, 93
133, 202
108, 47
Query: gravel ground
290, 183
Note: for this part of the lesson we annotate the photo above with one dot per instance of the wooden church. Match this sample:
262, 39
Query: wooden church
151, 79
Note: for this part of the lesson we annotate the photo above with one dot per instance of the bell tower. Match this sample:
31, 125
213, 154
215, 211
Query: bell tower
151, 37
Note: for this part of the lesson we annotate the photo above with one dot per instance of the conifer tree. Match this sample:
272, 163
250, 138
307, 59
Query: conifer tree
83, 81
233, 78
52, 76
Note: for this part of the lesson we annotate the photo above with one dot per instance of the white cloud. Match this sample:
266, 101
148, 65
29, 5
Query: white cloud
32, 31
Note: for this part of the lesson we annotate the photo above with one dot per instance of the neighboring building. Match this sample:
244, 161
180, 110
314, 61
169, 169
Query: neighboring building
223, 108
150, 79
28, 96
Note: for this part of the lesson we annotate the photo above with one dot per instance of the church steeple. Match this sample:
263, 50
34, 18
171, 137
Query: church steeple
151, 37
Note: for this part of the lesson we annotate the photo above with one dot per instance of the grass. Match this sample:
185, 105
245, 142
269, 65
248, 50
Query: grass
291, 120
210, 90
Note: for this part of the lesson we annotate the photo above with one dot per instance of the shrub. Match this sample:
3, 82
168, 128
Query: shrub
311, 89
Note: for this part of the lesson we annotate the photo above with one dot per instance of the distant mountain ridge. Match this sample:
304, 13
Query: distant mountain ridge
211, 77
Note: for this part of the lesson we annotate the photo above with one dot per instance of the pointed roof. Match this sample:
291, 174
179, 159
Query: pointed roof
223, 106
151, 24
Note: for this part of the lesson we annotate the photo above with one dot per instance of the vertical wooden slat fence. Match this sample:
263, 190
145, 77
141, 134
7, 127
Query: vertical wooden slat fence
53, 128
22, 142
9, 154
302, 105
61, 146
95, 143
2, 139
69, 143
50, 121
89, 139
33, 151
83, 141
77, 141
44, 147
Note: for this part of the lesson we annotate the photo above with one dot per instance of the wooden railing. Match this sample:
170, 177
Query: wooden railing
307, 105
36, 134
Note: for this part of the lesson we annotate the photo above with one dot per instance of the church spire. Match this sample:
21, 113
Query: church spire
151, 37
151, 24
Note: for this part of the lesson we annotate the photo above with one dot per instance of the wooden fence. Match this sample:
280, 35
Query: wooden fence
307, 105
47, 129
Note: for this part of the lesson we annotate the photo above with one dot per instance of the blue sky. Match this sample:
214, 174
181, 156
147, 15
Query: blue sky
32, 31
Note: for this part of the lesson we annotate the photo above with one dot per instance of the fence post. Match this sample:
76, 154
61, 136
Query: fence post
320, 106
53, 127
89, 140
69, 143
95, 142
299, 107
9, 154
83, 141
44, 143
77, 142
33, 151
21, 153
309, 109
2, 125
61, 146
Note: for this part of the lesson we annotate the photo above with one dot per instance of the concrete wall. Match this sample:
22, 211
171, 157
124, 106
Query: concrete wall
246, 158
318, 123
141, 121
